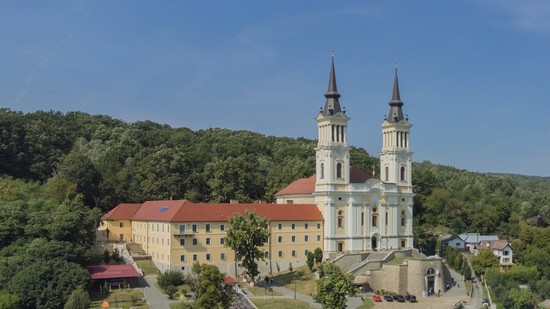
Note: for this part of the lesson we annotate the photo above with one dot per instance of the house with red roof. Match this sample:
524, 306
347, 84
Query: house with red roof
117, 222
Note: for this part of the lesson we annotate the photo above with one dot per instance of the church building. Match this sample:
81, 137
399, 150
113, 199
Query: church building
361, 213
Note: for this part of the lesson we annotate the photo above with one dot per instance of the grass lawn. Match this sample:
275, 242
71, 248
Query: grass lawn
469, 286
260, 291
182, 305
147, 267
279, 303
303, 278
367, 304
123, 298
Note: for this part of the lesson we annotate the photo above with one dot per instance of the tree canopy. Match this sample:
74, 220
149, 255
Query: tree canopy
245, 236
333, 286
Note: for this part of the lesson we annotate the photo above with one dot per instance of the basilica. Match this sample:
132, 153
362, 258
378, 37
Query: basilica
361, 213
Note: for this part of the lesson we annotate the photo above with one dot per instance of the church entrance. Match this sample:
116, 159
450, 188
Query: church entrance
340, 246
431, 284
374, 243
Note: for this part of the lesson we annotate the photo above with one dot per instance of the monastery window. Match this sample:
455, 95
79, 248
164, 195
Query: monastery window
339, 170
362, 219
195, 257
163, 228
280, 226
266, 254
195, 228
505, 252
182, 242
332, 130
293, 238
293, 226
195, 241
374, 220
121, 224
182, 229
318, 237
294, 253
222, 227
306, 252
182, 258
402, 173
322, 170
280, 253
318, 226
403, 243
387, 218
222, 256
183, 268
403, 218
306, 238
208, 256
306, 226
207, 241
280, 239
387, 174
162, 241
207, 227
340, 219
152, 227
157, 227
222, 241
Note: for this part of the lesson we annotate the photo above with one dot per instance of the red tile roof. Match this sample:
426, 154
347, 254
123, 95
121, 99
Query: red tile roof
112, 272
123, 211
199, 212
307, 185
300, 186
158, 210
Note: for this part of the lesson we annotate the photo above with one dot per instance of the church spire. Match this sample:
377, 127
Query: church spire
396, 113
332, 105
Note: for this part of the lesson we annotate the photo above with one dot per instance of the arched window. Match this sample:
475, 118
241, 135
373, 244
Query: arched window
430, 271
340, 219
339, 170
322, 170
374, 220
403, 218
387, 173
402, 173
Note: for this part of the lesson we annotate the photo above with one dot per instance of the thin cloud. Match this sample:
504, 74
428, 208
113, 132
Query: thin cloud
531, 15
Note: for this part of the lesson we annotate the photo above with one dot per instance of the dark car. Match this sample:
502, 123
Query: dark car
412, 298
388, 298
394, 297
400, 298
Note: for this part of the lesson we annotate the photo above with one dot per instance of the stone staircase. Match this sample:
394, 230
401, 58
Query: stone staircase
359, 263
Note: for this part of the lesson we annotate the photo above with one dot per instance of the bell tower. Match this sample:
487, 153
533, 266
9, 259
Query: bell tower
332, 152
396, 155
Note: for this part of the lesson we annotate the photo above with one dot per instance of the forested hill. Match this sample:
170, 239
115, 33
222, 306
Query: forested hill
109, 161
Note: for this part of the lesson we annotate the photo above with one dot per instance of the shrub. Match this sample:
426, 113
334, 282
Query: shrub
170, 278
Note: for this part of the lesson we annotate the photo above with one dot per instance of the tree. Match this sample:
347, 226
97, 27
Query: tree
170, 278
484, 260
79, 299
310, 260
519, 299
318, 253
333, 287
207, 283
245, 236
47, 283
8, 301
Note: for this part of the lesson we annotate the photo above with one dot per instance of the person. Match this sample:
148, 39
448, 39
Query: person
438, 293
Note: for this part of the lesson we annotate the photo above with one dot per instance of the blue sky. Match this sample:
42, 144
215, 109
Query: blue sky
474, 75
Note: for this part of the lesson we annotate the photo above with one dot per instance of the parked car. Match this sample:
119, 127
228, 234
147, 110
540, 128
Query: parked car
485, 303
394, 297
400, 298
376, 298
412, 298
388, 298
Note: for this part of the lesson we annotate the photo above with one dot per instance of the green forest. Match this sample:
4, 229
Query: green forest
60, 171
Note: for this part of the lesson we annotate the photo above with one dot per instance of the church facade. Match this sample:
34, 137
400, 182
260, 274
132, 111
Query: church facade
361, 213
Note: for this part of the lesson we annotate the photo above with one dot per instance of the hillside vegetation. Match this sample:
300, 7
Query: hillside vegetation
56, 167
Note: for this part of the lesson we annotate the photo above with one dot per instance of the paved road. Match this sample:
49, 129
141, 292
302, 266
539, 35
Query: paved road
155, 298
